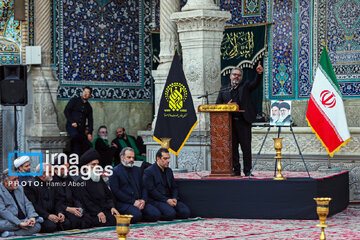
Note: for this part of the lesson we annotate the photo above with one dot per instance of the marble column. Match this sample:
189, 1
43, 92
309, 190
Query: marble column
168, 44
200, 26
43, 133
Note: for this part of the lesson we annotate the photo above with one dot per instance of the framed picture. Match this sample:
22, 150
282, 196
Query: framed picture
280, 113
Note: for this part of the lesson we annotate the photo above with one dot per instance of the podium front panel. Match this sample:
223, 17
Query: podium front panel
221, 143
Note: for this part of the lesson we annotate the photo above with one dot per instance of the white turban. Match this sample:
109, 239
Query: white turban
20, 161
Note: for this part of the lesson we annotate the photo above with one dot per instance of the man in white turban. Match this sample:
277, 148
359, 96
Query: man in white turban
23, 165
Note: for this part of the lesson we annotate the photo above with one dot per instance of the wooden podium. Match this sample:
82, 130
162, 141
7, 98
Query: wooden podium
221, 137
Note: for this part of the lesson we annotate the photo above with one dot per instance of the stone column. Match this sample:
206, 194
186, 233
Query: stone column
200, 27
44, 133
168, 43
44, 84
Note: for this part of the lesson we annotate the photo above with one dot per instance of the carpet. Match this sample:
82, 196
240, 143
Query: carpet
345, 225
258, 174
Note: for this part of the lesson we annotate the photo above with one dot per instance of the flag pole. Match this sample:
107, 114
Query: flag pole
329, 163
176, 162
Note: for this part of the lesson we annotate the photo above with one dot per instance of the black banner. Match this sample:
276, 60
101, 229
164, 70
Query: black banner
242, 47
176, 116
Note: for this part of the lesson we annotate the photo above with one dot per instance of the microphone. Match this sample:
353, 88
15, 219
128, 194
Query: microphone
234, 86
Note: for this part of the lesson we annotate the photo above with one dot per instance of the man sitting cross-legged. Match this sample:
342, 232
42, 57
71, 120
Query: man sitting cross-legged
41, 192
69, 197
96, 195
127, 187
163, 193
17, 214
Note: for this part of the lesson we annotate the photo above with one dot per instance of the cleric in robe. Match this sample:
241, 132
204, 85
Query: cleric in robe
96, 197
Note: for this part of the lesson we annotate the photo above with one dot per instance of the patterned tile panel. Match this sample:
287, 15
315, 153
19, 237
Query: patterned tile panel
105, 44
10, 34
337, 24
304, 49
245, 11
281, 62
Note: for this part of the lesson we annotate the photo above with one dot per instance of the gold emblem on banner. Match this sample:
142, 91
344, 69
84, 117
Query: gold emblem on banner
176, 95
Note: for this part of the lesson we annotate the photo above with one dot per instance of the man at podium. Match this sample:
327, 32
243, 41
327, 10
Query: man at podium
238, 91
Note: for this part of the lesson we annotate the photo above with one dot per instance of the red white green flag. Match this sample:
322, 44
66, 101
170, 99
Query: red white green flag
325, 113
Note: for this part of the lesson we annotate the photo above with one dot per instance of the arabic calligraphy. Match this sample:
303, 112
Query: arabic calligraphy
237, 45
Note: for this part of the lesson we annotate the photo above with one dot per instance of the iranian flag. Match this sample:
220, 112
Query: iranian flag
325, 113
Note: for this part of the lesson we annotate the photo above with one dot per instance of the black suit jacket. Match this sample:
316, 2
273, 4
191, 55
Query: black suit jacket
106, 153
67, 196
122, 188
155, 185
242, 96
43, 198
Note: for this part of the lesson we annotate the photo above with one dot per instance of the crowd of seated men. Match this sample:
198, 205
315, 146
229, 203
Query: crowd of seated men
53, 202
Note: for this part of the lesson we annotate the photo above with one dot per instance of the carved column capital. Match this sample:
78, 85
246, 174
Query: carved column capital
200, 4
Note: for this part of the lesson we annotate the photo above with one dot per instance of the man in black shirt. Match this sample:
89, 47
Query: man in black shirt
41, 192
106, 151
69, 197
77, 112
239, 92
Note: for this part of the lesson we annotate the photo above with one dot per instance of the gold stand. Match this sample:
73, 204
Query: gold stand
123, 225
322, 210
278, 157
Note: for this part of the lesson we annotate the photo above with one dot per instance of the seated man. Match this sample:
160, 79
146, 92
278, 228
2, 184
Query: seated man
17, 214
22, 165
163, 193
41, 192
96, 196
67, 195
123, 140
102, 146
130, 195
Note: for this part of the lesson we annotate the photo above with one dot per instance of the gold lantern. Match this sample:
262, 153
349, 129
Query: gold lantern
278, 157
322, 210
123, 225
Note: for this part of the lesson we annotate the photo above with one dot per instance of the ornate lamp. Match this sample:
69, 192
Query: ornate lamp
123, 225
322, 210
278, 157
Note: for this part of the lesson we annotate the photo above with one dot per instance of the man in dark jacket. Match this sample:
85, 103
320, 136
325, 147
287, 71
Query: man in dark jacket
238, 91
127, 186
77, 111
96, 196
68, 196
163, 192
103, 147
42, 193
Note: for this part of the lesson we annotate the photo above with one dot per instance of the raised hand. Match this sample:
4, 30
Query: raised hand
259, 68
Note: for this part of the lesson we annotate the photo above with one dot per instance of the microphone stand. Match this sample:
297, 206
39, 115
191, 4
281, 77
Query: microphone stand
207, 94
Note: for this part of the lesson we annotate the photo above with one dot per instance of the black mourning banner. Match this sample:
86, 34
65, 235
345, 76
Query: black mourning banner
176, 117
242, 47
